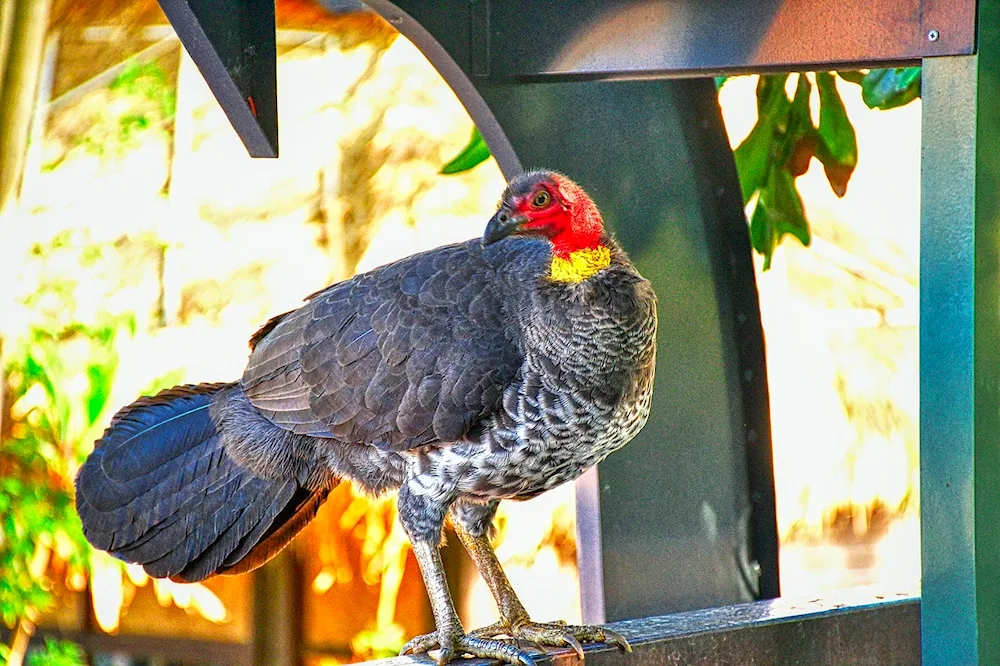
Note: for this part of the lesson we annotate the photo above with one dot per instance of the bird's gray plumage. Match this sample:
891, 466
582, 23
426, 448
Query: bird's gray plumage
495, 381
463, 373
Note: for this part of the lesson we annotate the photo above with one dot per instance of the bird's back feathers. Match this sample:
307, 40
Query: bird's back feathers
413, 353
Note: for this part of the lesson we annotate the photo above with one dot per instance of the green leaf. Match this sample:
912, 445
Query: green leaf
778, 212
890, 88
785, 207
769, 88
474, 153
800, 120
852, 76
755, 152
801, 139
762, 233
838, 144
752, 156
34, 369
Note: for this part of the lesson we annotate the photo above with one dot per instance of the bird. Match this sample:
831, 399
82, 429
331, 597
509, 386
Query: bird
492, 369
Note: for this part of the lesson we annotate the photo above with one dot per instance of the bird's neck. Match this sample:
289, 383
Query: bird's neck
580, 264
580, 250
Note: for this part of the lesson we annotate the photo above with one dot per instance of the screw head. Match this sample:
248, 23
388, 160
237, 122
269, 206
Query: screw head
933, 35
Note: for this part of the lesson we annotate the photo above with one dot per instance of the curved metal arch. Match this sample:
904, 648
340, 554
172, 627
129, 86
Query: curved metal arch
460, 83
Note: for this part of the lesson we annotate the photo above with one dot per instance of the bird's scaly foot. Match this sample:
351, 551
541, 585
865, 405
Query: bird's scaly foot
556, 634
456, 644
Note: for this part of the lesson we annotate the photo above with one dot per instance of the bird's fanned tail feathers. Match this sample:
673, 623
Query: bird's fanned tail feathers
160, 490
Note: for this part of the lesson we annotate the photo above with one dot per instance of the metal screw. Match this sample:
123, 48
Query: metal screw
933, 35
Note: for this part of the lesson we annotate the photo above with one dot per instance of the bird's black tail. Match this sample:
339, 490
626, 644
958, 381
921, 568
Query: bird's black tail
160, 490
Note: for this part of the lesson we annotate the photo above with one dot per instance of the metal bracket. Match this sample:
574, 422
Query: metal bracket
233, 44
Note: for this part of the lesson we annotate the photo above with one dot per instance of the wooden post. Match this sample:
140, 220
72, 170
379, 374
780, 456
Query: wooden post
24, 61
6, 31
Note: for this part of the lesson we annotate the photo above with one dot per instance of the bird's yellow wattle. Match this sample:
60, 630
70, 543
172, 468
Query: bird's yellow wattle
580, 264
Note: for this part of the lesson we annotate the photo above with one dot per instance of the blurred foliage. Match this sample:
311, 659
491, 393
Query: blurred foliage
782, 144
156, 101
58, 383
57, 653
141, 98
147, 80
382, 642
57, 379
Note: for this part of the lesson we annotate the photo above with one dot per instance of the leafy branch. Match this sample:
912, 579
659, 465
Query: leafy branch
784, 141
782, 144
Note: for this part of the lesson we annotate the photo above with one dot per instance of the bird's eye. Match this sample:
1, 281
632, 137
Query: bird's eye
541, 199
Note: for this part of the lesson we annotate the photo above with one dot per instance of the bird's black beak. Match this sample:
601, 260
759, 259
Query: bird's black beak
502, 225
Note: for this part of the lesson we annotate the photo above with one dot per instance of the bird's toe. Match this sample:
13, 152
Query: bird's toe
490, 631
475, 644
491, 648
423, 643
560, 634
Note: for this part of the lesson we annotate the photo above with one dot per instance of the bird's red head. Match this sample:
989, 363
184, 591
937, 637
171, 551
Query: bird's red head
550, 205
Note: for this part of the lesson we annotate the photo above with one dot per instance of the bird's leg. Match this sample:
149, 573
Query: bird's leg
472, 523
418, 515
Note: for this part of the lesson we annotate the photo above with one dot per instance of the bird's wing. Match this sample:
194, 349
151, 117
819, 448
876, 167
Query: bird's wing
409, 354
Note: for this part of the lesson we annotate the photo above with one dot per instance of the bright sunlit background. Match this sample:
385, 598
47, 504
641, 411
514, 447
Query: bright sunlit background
145, 248
840, 325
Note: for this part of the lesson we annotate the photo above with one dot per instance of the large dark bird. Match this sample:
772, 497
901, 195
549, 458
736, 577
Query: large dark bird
486, 370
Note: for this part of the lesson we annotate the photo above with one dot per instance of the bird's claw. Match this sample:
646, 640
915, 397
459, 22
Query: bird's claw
616, 639
555, 634
451, 645
420, 644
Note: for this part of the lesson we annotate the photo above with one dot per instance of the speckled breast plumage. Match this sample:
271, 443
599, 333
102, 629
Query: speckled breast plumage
583, 391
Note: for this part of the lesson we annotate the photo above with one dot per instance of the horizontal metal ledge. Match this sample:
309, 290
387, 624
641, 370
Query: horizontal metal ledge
669, 37
856, 628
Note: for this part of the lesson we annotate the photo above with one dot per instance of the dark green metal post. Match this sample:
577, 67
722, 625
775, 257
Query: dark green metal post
960, 352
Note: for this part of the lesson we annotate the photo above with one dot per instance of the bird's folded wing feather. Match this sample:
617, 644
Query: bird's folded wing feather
410, 354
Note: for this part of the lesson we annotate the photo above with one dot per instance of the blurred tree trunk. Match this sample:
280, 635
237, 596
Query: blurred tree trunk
23, 24
27, 27
6, 32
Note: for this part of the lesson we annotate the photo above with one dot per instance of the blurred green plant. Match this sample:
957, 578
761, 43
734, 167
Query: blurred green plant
156, 99
782, 144
58, 383
57, 653
140, 99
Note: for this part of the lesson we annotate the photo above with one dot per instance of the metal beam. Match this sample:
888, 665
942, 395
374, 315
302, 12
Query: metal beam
844, 629
960, 352
601, 39
233, 44
232, 41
